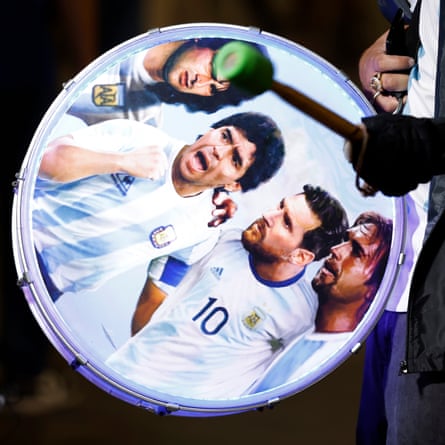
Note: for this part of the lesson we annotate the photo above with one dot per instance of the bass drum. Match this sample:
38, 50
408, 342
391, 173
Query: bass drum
84, 243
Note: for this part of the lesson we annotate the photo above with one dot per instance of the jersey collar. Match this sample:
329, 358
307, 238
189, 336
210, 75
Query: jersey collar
270, 283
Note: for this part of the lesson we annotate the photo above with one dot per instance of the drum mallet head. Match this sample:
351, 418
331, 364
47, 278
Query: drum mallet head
244, 66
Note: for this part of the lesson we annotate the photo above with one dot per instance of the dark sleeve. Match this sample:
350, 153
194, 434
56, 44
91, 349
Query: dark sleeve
388, 8
401, 152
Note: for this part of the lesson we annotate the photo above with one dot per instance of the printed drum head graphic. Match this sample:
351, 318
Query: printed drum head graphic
185, 243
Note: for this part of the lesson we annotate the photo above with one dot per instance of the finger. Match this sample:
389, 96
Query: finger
394, 82
213, 223
390, 63
162, 164
164, 161
216, 222
154, 175
231, 210
219, 198
158, 169
386, 103
218, 212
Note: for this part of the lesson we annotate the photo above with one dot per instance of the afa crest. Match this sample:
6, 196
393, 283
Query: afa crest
254, 318
162, 236
111, 95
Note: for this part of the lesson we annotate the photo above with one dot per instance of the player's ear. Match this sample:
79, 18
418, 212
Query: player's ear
233, 187
301, 256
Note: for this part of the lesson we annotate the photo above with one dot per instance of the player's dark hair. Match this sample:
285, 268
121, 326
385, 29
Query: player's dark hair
193, 102
382, 237
333, 217
262, 131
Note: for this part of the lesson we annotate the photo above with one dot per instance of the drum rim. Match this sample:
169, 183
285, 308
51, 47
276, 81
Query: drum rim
25, 257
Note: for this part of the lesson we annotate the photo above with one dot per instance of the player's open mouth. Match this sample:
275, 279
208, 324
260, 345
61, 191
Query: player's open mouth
329, 268
184, 79
261, 226
201, 161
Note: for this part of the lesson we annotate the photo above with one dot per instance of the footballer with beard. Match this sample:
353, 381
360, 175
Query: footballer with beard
350, 276
213, 333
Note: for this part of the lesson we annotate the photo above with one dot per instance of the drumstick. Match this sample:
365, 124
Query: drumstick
247, 68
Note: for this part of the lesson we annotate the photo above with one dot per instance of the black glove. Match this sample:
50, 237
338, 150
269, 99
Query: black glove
399, 152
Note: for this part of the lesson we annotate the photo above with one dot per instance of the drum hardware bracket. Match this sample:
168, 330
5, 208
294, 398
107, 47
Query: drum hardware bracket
401, 260
79, 360
272, 402
170, 408
163, 410
254, 29
68, 84
15, 183
159, 411
153, 31
356, 347
24, 280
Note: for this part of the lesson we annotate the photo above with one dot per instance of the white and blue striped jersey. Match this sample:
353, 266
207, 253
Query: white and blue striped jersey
119, 92
90, 230
217, 332
304, 356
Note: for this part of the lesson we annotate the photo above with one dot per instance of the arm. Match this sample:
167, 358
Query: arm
64, 161
164, 275
150, 299
399, 152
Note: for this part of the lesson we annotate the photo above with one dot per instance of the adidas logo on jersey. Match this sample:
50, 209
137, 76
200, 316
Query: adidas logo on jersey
123, 182
217, 271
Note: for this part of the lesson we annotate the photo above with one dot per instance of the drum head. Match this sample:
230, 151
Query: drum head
90, 241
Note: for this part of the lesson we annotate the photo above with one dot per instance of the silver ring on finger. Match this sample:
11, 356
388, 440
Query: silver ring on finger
400, 105
376, 82
376, 95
